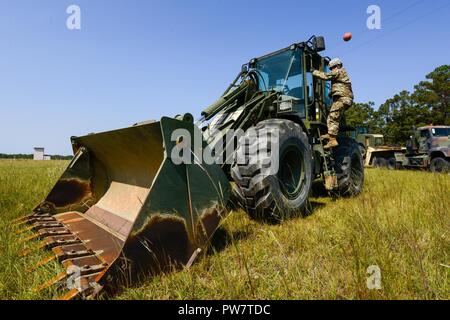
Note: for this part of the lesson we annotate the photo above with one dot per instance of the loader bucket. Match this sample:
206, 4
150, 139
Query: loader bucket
123, 209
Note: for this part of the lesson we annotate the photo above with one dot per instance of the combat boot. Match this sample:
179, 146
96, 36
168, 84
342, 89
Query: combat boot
331, 143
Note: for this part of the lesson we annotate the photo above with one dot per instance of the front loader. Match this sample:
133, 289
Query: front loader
141, 200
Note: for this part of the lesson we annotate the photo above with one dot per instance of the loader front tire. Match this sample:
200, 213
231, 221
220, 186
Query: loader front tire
273, 193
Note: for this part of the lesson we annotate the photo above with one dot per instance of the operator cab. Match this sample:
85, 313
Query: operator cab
289, 72
283, 72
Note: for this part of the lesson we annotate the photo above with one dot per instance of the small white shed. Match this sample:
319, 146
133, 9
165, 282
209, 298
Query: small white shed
39, 153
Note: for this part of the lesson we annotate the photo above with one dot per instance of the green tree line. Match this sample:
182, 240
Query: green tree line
429, 103
30, 156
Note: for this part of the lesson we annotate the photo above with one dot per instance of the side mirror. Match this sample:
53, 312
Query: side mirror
244, 68
319, 44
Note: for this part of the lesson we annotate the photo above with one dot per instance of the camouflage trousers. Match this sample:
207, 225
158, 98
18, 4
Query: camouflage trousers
340, 104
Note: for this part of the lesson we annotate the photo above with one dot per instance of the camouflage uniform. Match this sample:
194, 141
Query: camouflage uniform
341, 91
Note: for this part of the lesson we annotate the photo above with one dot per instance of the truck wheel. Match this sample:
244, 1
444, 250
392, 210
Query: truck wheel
392, 164
269, 192
439, 165
349, 167
380, 163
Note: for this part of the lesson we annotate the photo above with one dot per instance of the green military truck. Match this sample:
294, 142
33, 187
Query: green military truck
375, 151
428, 148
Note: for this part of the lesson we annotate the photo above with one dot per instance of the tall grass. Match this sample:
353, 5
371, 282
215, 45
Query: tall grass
400, 223
23, 184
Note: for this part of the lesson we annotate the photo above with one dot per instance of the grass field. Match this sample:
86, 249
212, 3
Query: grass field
401, 223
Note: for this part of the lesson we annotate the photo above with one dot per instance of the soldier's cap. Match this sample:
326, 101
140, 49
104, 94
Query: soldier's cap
335, 62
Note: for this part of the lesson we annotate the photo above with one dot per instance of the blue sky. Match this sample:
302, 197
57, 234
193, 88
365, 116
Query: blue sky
134, 60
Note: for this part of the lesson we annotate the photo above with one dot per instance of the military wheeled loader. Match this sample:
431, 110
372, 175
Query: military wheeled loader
141, 200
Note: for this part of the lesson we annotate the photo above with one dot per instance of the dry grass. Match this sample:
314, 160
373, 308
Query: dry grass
400, 223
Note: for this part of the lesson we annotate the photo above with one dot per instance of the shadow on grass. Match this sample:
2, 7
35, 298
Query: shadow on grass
223, 238
318, 190
312, 207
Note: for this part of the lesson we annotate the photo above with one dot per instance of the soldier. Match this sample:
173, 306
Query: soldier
341, 91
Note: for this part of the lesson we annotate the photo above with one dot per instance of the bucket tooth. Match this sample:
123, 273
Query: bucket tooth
71, 251
41, 263
33, 220
26, 252
70, 295
81, 262
59, 231
25, 230
45, 225
32, 216
51, 242
56, 243
34, 236
24, 218
36, 226
47, 232
58, 278
19, 223
42, 219
20, 219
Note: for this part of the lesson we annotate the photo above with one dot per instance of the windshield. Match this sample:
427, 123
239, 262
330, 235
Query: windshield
379, 142
440, 132
282, 73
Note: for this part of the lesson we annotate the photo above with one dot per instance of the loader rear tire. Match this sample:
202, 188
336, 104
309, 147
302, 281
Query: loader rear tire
235, 203
349, 167
274, 193
362, 149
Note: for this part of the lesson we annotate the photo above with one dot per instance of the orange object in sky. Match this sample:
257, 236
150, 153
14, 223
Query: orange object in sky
347, 36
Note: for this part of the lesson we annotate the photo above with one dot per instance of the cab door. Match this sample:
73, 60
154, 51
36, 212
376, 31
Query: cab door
315, 88
424, 141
